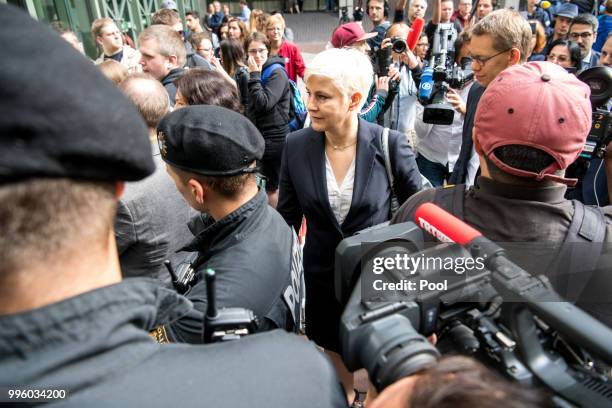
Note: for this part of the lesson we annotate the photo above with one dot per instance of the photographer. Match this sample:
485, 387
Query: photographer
351, 35
438, 146
501, 39
72, 330
401, 114
519, 197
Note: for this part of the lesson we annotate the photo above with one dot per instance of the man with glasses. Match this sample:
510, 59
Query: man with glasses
202, 44
499, 40
583, 31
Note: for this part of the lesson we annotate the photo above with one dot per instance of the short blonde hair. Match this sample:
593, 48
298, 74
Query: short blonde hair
274, 19
349, 70
508, 29
169, 42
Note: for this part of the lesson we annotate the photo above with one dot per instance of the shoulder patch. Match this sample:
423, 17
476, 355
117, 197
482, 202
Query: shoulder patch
160, 335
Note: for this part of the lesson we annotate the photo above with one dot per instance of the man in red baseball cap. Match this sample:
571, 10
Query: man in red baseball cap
351, 35
531, 124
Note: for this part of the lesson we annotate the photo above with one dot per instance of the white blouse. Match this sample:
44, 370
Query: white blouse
340, 197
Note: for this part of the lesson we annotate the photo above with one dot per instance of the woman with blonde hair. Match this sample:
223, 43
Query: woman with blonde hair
253, 18
334, 174
294, 63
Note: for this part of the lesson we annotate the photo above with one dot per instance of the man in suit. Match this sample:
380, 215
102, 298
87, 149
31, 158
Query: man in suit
583, 31
499, 40
152, 217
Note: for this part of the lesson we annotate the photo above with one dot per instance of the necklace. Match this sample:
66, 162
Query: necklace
341, 148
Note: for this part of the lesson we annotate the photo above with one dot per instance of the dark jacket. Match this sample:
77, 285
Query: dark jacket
96, 346
460, 170
251, 252
168, 83
268, 106
531, 223
242, 83
303, 191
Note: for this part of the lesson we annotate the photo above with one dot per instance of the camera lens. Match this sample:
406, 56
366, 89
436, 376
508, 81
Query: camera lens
399, 45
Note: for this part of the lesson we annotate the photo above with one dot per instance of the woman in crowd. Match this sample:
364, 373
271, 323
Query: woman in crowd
565, 53
438, 146
269, 100
294, 64
401, 114
333, 173
253, 18
232, 59
538, 41
237, 30
204, 87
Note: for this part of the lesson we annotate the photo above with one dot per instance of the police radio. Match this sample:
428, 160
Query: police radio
227, 323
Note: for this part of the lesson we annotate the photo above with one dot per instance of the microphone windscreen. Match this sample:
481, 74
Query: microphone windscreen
545, 4
415, 33
444, 226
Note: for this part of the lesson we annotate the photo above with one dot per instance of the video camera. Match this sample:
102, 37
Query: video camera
599, 80
509, 319
441, 74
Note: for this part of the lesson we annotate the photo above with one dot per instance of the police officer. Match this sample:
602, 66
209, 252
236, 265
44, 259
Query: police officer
69, 141
211, 155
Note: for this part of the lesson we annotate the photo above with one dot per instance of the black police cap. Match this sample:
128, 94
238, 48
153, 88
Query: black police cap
59, 116
209, 140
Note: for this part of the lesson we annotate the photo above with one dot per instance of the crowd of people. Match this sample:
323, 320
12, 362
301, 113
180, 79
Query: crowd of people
180, 155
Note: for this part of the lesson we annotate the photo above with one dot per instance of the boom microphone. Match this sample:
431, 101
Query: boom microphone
544, 4
444, 226
415, 33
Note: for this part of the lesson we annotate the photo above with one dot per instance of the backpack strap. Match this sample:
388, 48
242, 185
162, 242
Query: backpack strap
451, 198
580, 251
267, 72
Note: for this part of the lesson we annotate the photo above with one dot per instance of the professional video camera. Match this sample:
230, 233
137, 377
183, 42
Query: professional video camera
599, 79
441, 74
507, 318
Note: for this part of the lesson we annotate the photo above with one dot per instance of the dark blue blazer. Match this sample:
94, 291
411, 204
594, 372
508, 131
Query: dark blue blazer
303, 191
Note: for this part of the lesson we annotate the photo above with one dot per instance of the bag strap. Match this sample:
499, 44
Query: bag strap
266, 73
385, 147
580, 251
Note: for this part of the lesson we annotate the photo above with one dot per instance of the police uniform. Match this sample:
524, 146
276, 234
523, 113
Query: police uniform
95, 345
256, 256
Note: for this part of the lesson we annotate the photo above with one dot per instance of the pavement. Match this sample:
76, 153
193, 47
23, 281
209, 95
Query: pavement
313, 30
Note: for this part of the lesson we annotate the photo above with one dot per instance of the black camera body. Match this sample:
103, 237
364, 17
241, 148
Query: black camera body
507, 318
441, 74
599, 80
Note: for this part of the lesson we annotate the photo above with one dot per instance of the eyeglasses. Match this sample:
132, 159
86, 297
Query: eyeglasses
583, 35
480, 60
256, 51
422, 45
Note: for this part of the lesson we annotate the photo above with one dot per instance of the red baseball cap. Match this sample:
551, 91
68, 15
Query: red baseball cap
536, 104
348, 34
